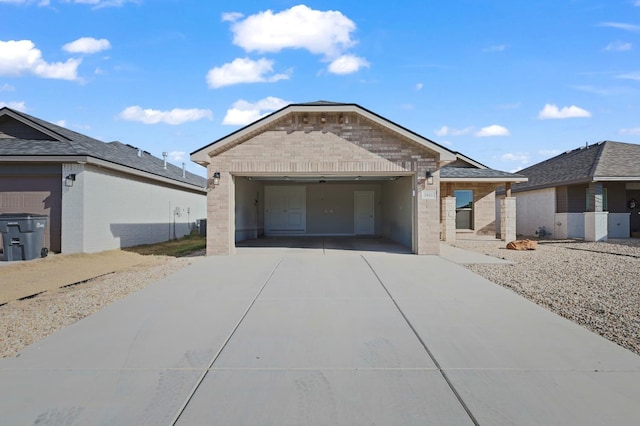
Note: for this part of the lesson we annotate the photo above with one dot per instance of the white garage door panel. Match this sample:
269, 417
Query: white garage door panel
285, 210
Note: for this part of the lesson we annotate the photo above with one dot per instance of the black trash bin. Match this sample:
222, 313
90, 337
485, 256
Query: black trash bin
23, 236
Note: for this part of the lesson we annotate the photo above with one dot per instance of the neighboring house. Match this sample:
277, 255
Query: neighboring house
97, 196
591, 192
326, 168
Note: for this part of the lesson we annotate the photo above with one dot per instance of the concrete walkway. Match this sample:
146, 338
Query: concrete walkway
342, 338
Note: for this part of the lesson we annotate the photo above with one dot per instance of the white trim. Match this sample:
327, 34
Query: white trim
372, 210
615, 178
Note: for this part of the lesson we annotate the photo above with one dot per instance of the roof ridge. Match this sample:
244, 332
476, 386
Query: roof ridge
596, 162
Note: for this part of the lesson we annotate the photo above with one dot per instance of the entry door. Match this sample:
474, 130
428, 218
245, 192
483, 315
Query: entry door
364, 213
285, 210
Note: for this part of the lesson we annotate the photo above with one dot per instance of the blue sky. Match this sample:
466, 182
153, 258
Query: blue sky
507, 83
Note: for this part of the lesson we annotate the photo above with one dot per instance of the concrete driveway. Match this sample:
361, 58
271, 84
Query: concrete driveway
288, 338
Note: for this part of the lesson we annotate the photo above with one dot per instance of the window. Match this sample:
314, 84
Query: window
464, 208
605, 207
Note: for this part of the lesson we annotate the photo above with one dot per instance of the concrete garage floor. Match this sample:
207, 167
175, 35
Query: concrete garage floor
348, 337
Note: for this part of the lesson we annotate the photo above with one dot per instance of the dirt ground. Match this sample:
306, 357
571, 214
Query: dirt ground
22, 279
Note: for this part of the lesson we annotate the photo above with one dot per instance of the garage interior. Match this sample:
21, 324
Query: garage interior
345, 207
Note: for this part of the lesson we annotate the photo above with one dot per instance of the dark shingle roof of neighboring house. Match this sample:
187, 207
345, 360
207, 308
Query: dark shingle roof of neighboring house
601, 161
70, 143
473, 173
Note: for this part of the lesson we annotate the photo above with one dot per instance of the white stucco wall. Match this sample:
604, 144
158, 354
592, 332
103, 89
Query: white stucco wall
107, 210
569, 225
535, 210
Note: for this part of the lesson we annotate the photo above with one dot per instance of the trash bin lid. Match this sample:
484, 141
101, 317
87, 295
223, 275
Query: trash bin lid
21, 216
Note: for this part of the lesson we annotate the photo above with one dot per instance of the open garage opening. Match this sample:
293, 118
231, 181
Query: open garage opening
335, 210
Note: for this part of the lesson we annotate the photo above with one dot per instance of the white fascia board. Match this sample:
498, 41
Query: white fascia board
42, 159
615, 178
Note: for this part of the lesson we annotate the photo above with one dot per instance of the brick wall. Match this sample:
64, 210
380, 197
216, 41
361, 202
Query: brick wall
484, 206
332, 143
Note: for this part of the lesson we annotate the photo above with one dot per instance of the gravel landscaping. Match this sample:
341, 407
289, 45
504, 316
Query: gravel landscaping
596, 285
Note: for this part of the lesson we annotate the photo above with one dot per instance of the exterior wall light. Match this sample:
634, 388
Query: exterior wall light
68, 181
429, 177
216, 178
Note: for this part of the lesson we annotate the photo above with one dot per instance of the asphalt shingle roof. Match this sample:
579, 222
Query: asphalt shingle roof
71, 143
473, 173
601, 160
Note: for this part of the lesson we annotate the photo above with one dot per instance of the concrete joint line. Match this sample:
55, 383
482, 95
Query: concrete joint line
217, 355
424, 345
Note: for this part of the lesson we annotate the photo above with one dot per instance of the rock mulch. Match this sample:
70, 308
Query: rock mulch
596, 285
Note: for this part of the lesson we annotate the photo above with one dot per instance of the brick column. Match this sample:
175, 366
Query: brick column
428, 216
508, 219
221, 216
449, 219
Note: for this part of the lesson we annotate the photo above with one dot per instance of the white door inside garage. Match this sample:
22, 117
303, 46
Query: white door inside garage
364, 209
285, 210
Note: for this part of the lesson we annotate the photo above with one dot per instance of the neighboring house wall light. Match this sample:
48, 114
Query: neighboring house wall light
68, 181
429, 177
216, 178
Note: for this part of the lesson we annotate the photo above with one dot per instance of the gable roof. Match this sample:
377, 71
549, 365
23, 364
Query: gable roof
602, 161
201, 156
465, 169
66, 145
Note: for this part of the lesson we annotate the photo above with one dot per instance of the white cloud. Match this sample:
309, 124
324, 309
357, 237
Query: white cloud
18, 57
419, 86
450, 131
231, 16
19, 106
520, 157
175, 116
618, 46
177, 156
551, 111
621, 26
87, 45
243, 112
630, 76
347, 64
7, 87
493, 130
243, 70
630, 132
61, 123
320, 32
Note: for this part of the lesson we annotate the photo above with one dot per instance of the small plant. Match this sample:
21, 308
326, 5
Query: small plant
177, 248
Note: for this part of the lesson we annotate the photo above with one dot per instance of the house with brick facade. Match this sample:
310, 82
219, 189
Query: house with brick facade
338, 169
96, 195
